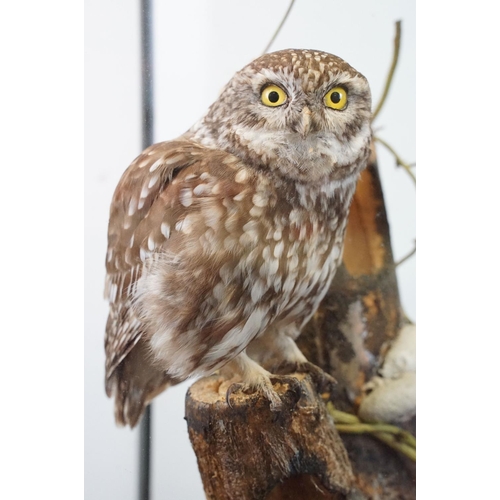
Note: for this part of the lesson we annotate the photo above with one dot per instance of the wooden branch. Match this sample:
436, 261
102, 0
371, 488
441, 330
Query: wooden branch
250, 452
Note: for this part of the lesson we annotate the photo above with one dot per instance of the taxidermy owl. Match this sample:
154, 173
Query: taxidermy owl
223, 242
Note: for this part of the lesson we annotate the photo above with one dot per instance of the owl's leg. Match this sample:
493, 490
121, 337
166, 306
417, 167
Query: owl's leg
277, 351
253, 377
275, 348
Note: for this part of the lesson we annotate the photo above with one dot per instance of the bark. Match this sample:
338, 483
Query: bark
250, 453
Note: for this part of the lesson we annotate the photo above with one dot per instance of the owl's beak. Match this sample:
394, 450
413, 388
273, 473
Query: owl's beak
305, 122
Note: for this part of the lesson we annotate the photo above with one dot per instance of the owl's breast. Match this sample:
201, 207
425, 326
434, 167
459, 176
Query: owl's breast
313, 253
288, 250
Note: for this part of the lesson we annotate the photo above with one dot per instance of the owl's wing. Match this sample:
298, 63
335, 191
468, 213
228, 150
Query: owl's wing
130, 375
137, 191
177, 211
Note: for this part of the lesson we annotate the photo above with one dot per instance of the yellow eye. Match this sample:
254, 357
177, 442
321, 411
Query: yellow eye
273, 96
336, 98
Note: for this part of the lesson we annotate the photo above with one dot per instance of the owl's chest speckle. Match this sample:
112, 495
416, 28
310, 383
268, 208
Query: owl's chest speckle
291, 246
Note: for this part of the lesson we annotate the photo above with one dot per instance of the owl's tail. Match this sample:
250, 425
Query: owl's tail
134, 383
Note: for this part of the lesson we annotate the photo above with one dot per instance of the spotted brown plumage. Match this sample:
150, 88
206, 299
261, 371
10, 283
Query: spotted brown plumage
223, 242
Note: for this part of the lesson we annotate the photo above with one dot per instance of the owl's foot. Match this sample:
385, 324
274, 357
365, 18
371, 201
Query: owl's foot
257, 379
265, 386
292, 383
322, 380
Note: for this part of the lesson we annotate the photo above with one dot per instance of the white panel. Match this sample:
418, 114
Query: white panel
182, 91
112, 140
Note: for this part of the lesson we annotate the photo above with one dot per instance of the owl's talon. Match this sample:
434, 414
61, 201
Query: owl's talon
322, 380
231, 389
275, 403
294, 385
266, 388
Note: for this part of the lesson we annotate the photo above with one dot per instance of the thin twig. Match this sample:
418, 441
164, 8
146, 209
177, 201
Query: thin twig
398, 439
407, 256
341, 417
400, 435
276, 33
399, 161
395, 57
403, 448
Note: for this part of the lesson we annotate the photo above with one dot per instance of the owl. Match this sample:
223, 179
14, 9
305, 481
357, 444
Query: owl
223, 242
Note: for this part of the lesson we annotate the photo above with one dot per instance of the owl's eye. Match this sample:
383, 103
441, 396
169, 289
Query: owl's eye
273, 96
336, 98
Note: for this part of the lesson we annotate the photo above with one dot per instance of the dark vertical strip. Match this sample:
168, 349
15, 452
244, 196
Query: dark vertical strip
145, 430
145, 437
147, 72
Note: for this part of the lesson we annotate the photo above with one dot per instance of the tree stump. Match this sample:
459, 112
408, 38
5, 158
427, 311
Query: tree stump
249, 452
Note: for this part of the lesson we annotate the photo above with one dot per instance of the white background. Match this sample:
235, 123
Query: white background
198, 46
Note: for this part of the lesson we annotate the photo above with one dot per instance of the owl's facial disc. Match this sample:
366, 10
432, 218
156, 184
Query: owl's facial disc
302, 114
310, 131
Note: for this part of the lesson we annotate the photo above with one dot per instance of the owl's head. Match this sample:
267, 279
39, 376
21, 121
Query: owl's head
303, 114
